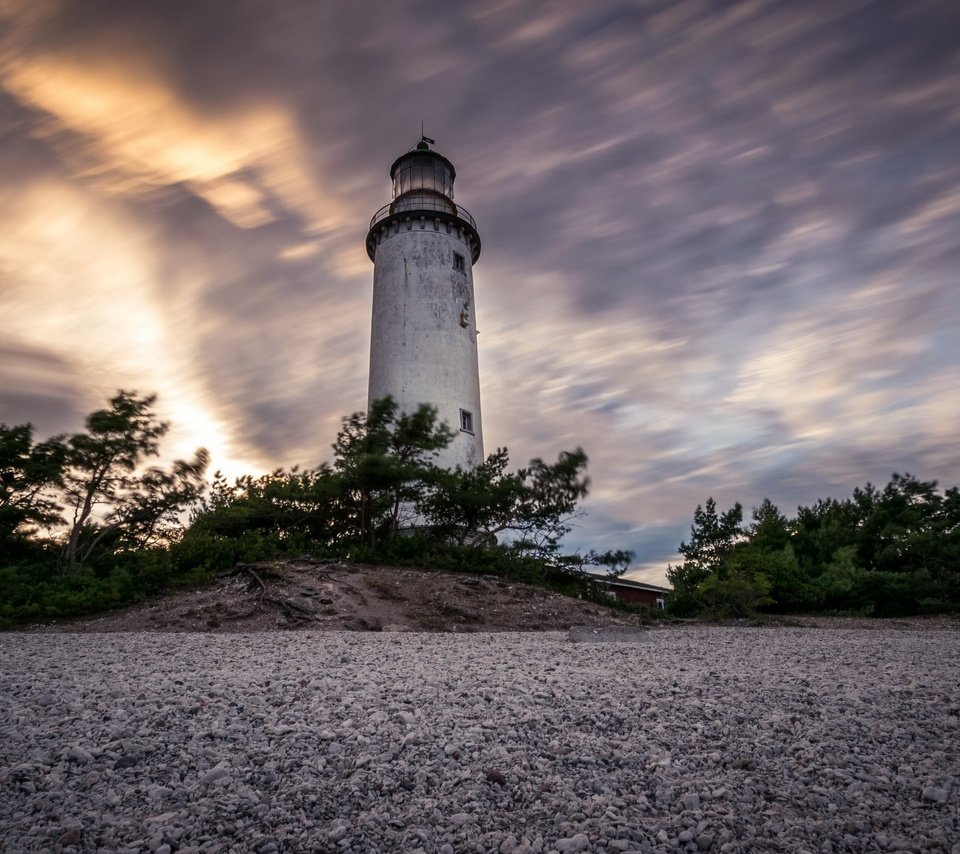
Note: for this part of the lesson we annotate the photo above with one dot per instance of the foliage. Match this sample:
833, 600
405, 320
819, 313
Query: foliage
382, 499
112, 506
39, 591
614, 563
27, 472
884, 552
736, 593
532, 506
292, 506
712, 537
83, 524
383, 486
384, 460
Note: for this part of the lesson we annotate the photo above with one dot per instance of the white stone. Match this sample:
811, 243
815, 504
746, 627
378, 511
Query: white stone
580, 842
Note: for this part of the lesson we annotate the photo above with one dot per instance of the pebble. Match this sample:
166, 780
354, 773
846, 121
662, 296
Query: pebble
215, 774
693, 740
579, 842
78, 754
937, 795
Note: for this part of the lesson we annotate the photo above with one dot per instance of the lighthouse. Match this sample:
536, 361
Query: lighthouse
423, 342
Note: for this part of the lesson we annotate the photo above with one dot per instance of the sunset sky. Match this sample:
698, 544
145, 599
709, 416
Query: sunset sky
721, 240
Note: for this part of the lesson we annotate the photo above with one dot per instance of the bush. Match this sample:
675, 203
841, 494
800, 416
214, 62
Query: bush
736, 594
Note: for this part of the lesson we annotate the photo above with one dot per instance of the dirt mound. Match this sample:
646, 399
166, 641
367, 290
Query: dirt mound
339, 596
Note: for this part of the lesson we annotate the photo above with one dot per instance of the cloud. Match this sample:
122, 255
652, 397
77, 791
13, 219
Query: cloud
138, 135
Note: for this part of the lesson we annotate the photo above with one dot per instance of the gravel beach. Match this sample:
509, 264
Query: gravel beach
698, 739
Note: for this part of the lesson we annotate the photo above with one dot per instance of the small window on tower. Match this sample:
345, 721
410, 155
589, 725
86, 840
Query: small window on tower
466, 421
459, 262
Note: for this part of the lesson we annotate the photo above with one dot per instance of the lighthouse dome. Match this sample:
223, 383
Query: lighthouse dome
422, 180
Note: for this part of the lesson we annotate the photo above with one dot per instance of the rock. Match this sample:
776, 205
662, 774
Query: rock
338, 831
396, 627
509, 844
70, 834
80, 756
158, 793
579, 842
935, 794
607, 634
554, 718
218, 772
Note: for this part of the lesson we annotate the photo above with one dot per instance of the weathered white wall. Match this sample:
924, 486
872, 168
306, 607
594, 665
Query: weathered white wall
420, 352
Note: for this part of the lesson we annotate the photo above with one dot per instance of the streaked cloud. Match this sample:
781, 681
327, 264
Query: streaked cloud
136, 135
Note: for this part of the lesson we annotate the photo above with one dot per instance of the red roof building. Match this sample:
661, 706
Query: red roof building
634, 592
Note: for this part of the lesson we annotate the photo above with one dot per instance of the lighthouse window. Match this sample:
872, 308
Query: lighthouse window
466, 421
459, 263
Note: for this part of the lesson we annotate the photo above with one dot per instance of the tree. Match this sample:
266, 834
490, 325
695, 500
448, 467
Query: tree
385, 461
550, 502
533, 506
946, 564
108, 501
474, 505
769, 553
901, 530
283, 504
738, 591
770, 531
28, 472
712, 537
821, 530
148, 512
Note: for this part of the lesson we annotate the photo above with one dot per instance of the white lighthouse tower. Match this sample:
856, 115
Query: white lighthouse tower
423, 344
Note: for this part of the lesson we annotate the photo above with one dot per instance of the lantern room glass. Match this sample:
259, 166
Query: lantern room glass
423, 172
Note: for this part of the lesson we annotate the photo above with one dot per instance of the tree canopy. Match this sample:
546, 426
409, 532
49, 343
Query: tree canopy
384, 486
885, 551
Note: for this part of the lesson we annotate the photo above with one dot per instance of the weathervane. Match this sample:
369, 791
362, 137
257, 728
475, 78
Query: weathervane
424, 137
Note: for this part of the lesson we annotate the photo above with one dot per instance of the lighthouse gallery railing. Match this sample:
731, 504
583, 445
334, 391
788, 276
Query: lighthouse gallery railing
427, 206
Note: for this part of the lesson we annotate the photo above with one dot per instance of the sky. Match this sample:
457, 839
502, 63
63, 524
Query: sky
721, 240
